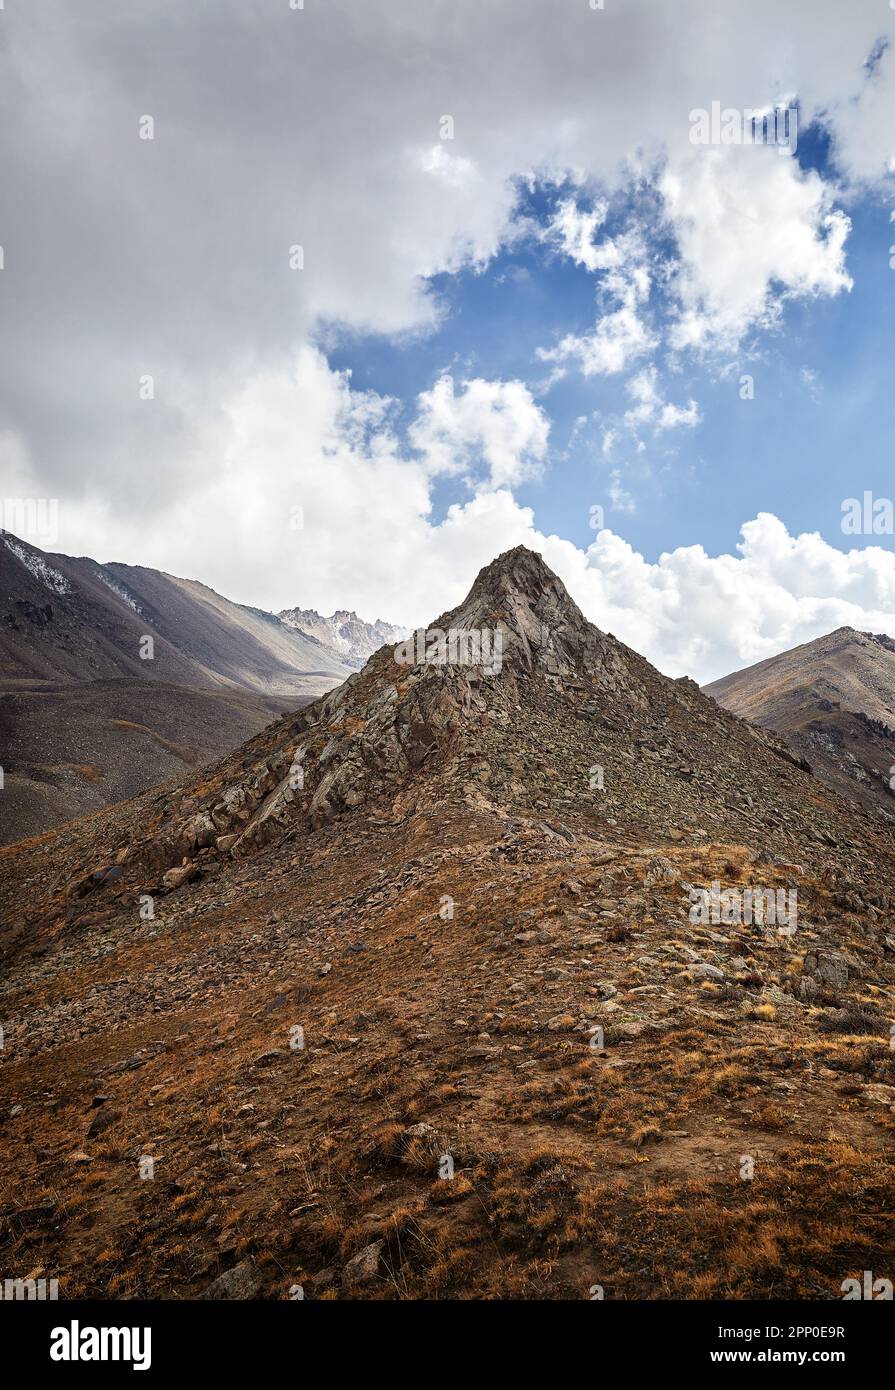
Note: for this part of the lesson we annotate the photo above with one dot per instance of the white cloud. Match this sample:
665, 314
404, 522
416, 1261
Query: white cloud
673, 417
864, 125
304, 444
704, 615
752, 230
573, 231
453, 170
620, 335
305, 439
620, 499
651, 407
492, 422
329, 139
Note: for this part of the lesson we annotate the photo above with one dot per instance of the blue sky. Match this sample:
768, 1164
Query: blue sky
818, 428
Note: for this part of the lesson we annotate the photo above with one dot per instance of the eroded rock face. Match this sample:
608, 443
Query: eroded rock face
826, 967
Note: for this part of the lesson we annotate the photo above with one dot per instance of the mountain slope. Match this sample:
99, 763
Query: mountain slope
351, 638
833, 700
406, 997
76, 620
86, 721
73, 749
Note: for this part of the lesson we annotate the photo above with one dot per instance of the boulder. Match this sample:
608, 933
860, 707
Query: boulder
827, 968
240, 1282
363, 1267
175, 878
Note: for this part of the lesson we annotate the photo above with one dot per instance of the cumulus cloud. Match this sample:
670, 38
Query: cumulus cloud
752, 230
319, 501
494, 423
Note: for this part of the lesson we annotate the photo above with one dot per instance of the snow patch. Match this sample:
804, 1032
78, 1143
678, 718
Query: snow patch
37, 565
119, 590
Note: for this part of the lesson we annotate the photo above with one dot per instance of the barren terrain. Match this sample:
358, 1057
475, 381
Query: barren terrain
433, 1019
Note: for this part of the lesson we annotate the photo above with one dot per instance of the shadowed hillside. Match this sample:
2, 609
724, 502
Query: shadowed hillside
76, 668
833, 700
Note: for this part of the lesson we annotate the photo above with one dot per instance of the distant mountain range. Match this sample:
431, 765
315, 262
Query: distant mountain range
114, 677
344, 633
833, 700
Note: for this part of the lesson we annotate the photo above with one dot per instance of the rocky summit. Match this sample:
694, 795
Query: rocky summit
509, 968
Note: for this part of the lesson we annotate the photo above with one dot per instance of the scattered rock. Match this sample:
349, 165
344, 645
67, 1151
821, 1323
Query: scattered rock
102, 1120
175, 878
660, 870
879, 1094
702, 971
827, 967
267, 1059
363, 1267
241, 1282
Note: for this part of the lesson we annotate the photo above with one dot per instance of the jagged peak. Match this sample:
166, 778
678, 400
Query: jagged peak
518, 580
540, 624
520, 571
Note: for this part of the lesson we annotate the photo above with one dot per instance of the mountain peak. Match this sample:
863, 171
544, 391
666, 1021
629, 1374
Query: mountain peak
350, 637
540, 624
518, 571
